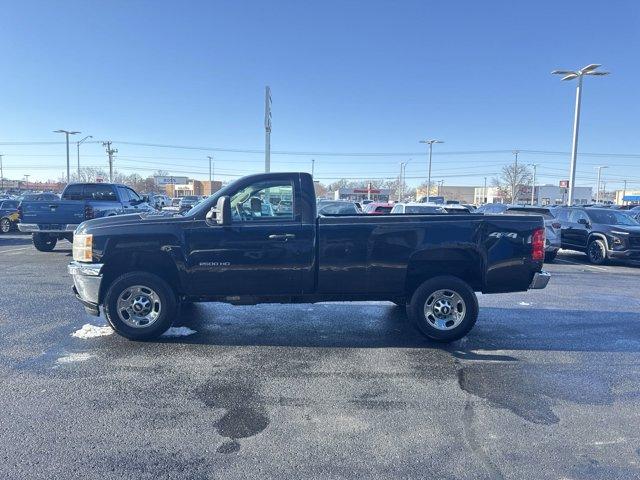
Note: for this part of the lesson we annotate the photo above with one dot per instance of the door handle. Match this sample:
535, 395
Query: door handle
283, 236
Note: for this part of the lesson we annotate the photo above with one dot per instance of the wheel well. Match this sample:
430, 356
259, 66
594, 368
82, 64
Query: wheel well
159, 264
598, 236
466, 265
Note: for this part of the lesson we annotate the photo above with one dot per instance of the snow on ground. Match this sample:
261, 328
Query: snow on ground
75, 357
178, 332
92, 331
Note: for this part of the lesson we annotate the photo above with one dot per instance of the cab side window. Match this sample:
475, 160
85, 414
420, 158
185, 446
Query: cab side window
73, 192
270, 200
101, 193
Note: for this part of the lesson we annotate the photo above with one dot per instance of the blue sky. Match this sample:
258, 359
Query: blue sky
346, 76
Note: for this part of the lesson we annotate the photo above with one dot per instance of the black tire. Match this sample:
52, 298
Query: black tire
549, 257
44, 242
597, 252
464, 320
5, 225
165, 300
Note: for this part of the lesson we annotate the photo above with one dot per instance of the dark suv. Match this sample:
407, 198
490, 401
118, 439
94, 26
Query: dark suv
601, 233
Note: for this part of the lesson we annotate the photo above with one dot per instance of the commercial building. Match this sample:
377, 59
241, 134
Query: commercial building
364, 193
450, 193
192, 187
626, 197
543, 195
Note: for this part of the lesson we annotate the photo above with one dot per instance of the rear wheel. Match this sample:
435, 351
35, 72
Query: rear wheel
444, 308
5, 225
140, 306
597, 252
44, 242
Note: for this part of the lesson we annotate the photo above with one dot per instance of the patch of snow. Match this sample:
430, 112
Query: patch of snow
75, 357
524, 304
92, 331
178, 332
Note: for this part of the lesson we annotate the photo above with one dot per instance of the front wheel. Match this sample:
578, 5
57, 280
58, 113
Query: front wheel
5, 225
140, 305
44, 242
444, 308
597, 252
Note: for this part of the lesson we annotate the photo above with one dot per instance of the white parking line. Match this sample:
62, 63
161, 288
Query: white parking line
581, 264
14, 249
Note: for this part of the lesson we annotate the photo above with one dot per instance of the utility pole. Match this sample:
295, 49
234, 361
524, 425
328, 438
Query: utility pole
401, 182
211, 166
533, 187
598, 187
514, 180
484, 199
27, 181
78, 145
624, 190
110, 152
570, 75
313, 165
267, 130
430, 143
67, 133
1, 174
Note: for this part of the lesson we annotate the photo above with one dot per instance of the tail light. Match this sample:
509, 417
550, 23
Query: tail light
88, 212
537, 244
556, 225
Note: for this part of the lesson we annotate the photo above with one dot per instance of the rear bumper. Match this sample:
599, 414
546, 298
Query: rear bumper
36, 228
87, 278
540, 280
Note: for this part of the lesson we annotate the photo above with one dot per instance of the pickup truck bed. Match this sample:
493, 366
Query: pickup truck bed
138, 268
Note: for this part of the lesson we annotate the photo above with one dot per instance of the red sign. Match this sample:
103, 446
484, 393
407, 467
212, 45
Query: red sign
564, 183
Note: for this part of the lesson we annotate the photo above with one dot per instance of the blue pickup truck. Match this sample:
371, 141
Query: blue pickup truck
53, 220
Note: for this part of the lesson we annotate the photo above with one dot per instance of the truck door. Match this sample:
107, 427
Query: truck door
263, 252
578, 233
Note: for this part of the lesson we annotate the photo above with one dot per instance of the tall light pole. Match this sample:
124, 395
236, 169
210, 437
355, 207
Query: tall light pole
598, 189
570, 75
430, 143
67, 133
484, 200
267, 130
313, 166
78, 145
624, 191
211, 167
26, 180
1, 174
514, 178
533, 187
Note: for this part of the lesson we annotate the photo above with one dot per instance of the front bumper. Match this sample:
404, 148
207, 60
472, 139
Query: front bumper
87, 278
540, 280
630, 254
35, 228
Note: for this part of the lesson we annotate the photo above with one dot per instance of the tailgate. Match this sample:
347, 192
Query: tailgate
54, 212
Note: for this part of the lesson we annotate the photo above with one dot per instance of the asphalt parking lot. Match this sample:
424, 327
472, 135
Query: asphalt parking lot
545, 386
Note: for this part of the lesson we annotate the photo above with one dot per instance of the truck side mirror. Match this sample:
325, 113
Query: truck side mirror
583, 221
221, 213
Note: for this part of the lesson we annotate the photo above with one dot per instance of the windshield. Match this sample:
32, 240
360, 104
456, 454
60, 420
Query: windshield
611, 217
423, 209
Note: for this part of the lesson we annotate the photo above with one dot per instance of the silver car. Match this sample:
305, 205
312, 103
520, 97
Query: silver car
551, 227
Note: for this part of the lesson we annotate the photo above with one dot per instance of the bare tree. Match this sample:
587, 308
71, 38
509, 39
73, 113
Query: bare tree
511, 180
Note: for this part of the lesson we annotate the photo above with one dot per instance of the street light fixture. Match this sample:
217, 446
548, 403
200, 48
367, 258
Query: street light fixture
598, 189
67, 133
78, 145
430, 143
570, 75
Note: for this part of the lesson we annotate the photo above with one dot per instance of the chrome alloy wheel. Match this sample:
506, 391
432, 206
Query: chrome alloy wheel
444, 309
139, 306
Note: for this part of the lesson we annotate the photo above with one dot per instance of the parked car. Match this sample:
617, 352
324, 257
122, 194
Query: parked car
50, 220
8, 215
417, 208
188, 202
377, 208
633, 213
551, 224
601, 233
175, 202
160, 201
337, 207
493, 208
139, 268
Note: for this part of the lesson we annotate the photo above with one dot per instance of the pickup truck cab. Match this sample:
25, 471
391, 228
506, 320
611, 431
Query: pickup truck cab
56, 219
140, 268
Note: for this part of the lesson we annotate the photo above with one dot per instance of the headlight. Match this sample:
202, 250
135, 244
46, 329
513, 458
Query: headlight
83, 247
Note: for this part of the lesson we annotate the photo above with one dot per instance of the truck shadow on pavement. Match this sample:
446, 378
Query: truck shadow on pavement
382, 325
